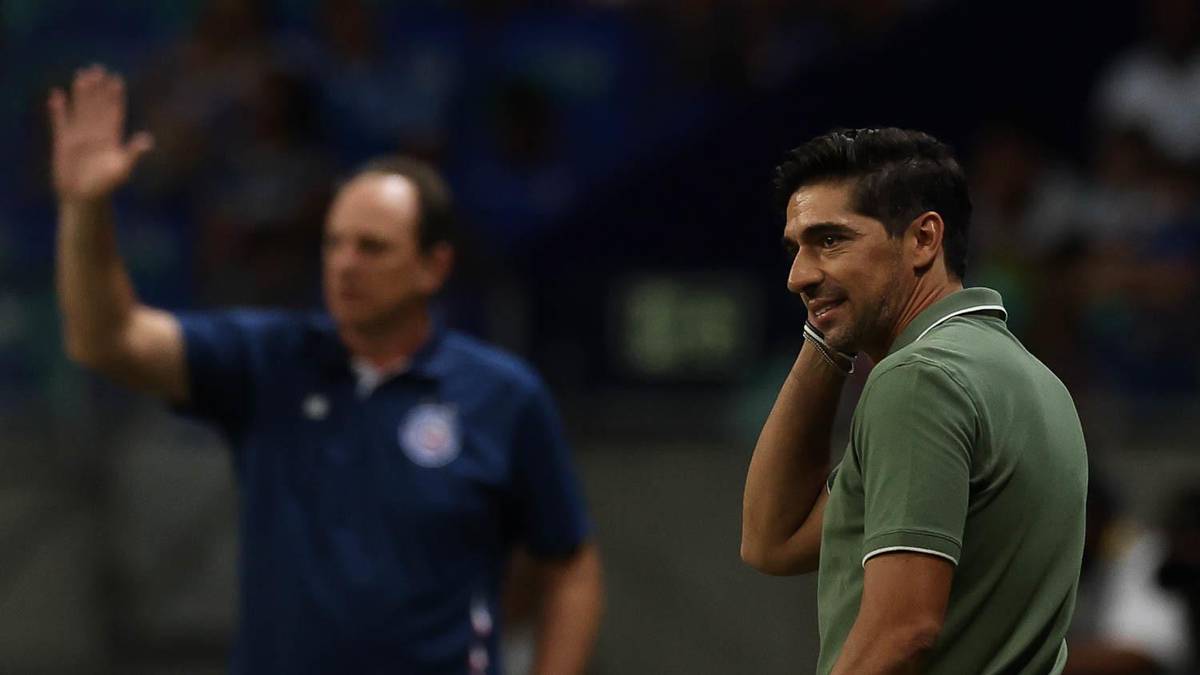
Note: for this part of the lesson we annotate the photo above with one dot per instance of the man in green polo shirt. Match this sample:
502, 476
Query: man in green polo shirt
949, 538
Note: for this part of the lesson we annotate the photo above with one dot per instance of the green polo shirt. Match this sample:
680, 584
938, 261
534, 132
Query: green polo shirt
963, 446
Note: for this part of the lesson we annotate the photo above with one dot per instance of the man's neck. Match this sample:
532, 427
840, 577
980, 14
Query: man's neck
924, 295
390, 343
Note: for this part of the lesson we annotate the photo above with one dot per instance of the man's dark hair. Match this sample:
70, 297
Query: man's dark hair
898, 174
436, 222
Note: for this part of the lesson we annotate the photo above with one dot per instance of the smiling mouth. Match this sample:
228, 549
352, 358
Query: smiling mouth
826, 309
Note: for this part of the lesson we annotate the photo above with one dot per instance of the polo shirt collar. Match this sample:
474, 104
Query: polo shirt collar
966, 301
369, 377
432, 361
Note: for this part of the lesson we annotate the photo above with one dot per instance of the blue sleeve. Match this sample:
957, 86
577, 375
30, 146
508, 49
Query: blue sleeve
223, 365
553, 517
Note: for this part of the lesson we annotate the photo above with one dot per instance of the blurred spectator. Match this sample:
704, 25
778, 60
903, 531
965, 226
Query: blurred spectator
521, 181
1010, 177
387, 79
1140, 272
1154, 87
1031, 233
260, 208
194, 94
1100, 264
1125, 622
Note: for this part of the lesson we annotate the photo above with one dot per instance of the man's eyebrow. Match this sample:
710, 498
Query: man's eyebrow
817, 231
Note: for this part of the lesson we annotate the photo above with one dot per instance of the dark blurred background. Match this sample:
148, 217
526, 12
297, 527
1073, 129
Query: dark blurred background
612, 161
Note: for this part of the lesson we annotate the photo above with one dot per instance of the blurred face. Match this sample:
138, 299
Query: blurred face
849, 272
374, 271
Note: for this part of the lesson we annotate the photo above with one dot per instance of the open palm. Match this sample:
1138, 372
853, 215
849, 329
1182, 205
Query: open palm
90, 156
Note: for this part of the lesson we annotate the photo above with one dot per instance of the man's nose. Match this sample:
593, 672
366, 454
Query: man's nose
803, 276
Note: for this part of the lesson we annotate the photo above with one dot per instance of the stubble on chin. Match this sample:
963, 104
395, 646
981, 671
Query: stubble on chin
867, 324
846, 339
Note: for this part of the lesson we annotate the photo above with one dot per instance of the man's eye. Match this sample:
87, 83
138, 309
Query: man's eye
829, 241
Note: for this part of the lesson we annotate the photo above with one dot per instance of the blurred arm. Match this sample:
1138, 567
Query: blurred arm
784, 500
104, 325
106, 328
902, 611
571, 607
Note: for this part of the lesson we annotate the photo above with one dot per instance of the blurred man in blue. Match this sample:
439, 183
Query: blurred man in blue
387, 467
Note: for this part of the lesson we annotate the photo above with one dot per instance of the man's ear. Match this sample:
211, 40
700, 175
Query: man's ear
438, 264
924, 239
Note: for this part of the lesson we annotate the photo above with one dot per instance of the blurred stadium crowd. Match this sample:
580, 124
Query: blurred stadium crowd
612, 161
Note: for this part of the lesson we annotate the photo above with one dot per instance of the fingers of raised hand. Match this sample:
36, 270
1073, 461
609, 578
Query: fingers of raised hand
83, 91
111, 96
97, 105
89, 156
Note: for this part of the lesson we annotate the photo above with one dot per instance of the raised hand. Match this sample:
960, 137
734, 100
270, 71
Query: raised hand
90, 158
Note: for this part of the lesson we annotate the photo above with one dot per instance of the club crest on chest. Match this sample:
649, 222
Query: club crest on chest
429, 435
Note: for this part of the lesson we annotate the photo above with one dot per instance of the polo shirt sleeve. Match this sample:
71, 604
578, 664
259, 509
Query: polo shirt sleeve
915, 435
552, 516
221, 349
